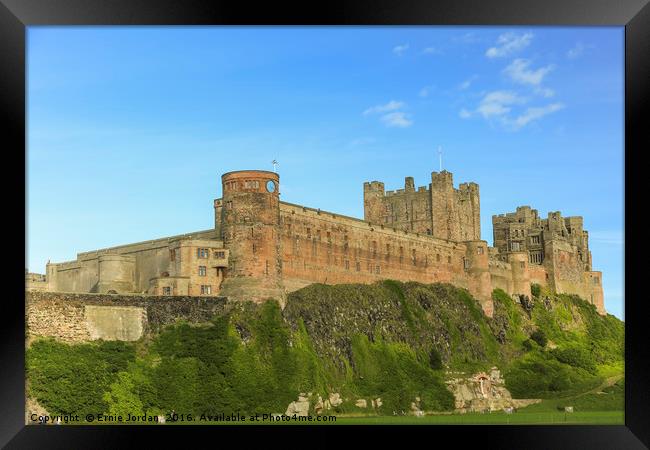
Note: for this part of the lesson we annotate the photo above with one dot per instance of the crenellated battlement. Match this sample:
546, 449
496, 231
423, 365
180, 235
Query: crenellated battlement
261, 247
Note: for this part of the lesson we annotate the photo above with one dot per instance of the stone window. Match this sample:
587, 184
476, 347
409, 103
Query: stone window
377, 270
479, 250
206, 289
220, 255
522, 264
374, 249
413, 258
401, 255
534, 239
229, 204
252, 184
202, 271
172, 254
166, 290
438, 257
596, 280
347, 264
535, 257
358, 266
202, 253
514, 246
329, 236
448, 259
308, 233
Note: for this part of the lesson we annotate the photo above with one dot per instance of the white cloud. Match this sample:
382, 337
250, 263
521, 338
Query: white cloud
390, 114
400, 49
509, 43
533, 114
432, 51
467, 38
498, 103
504, 107
545, 92
397, 119
426, 90
390, 106
464, 114
467, 83
520, 72
576, 51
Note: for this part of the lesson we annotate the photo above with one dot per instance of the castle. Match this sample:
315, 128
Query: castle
261, 247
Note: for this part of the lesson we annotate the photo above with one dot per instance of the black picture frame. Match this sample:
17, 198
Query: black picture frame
634, 15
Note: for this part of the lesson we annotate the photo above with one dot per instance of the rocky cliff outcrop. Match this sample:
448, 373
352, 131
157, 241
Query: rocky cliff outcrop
483, 392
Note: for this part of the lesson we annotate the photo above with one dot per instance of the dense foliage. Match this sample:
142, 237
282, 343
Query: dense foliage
391, 340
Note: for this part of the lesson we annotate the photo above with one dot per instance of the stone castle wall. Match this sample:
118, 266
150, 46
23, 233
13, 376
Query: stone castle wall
439, 210
263, 248
74, 317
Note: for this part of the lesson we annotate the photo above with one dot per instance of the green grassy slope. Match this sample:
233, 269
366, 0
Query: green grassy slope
390, 340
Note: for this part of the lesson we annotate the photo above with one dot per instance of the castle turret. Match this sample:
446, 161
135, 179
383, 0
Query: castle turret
443, 212
477, 267
409, 184
520, 273
250, 221
373, 206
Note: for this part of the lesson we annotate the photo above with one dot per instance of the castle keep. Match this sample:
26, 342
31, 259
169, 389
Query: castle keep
262, 247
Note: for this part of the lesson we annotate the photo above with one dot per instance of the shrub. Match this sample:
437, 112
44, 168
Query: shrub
540, 337
535, 289
72, 379
435, 361
575, 356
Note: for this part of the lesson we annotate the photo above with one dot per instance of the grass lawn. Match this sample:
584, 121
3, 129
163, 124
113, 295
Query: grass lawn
496, 418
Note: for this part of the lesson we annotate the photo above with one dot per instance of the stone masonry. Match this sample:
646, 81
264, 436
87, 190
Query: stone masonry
262, 247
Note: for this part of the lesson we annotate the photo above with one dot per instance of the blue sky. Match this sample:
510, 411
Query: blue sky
130, 128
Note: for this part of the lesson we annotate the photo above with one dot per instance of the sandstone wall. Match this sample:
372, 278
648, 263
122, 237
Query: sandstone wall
322, 247
76, 317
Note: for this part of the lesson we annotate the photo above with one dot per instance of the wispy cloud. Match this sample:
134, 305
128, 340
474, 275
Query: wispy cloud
390, 114
432, 51
502, 106
467, 83
464, 114
611, 237
397, 119
467, 38
532, 114
520, 72
359, 142
509, 43
390, 106
498, 103
400, 49
426, 91
576, 51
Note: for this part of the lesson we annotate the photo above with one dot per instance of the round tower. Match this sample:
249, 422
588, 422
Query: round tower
250, 227
478, 271
520, 273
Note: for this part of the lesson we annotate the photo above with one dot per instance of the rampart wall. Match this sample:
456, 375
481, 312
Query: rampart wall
73, 317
